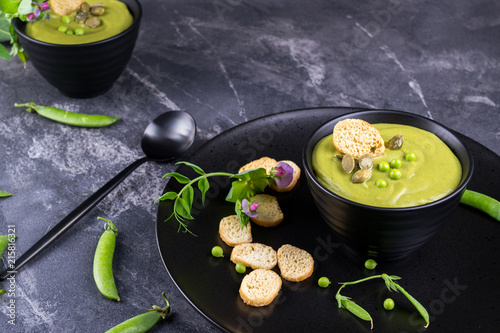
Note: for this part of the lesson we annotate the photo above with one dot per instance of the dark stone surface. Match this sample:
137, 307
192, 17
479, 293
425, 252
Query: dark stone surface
225, 62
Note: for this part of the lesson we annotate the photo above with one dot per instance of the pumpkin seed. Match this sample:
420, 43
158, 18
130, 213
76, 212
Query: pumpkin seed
348, 163
97, 11
366, 161
93, 22
396, 142
361, 175
81, 17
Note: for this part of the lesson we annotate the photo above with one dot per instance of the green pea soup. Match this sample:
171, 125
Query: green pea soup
435, 173
116, 19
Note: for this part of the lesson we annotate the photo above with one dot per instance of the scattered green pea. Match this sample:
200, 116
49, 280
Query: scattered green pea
324, 282
69, 118
370, 264
66, 19
240, 268
103, 261
395, 174
395, 163
143, 322
381, 183
70, 32
389, 304
410, 157
383, 166
217, 252
62, 29
79, 32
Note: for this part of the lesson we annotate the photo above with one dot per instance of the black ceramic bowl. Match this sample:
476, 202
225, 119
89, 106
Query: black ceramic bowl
385, 233
84, 70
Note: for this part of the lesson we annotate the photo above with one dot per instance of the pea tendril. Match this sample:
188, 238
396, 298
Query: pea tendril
247, 184
346, 303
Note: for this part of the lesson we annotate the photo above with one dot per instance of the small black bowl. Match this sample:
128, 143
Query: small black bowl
385, 233
83, 70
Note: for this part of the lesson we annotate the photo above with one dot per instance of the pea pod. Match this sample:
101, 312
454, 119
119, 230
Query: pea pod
143, 322
423, 312
4, 194
103, 261
68, 117
482, 202
356, 310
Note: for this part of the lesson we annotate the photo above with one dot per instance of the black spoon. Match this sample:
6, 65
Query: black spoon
165, 138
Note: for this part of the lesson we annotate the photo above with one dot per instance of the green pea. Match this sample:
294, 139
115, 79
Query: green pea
62, 29
395, 163
103, 261
69, 118
410, 157
381, 183
324, 282
70, 32
383, 166
66, 19
370, 264
217, 252
143, 322
79, 32
389, 304
240, 268
395, 174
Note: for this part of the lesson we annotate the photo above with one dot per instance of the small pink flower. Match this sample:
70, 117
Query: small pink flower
31, 17
249, 208
283, 174
44, 6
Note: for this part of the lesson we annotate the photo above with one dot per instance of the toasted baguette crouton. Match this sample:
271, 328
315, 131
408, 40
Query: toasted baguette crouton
263, 162
65, 7
357, 137
254, 255
295, 264
269, 213
296, 176
232, 233
260, 287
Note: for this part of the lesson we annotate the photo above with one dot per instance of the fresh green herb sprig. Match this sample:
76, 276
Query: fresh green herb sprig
346, 303
247, 184
25, 10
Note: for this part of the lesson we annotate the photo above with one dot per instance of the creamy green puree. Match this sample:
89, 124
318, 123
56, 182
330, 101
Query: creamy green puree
115, 19
435, 173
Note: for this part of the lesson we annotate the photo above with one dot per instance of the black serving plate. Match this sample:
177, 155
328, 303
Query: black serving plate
454, 275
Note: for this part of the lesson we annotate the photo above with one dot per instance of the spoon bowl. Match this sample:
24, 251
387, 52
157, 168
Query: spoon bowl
165, 138
168, 136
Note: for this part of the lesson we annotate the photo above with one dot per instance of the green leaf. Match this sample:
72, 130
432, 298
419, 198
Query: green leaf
25, 7
4, 194
203, 186
188, 196
4, 29
4, 53
182, 209
193, 166
252, 174
180, 178
244, 218
167, 196
9, 6
240, 189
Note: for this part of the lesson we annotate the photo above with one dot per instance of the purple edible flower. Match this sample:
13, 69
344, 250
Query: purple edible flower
249, 208
283, 174
44, 6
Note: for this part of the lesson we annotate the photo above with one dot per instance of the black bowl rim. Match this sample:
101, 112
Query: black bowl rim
16, 23
456, 192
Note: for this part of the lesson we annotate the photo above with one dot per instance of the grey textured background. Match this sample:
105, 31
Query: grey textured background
225, 62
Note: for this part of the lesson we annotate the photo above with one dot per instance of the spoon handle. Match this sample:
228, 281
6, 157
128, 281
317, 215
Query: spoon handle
72, 218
